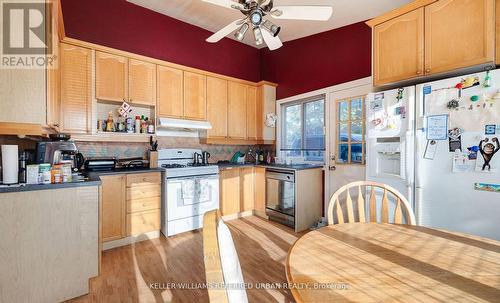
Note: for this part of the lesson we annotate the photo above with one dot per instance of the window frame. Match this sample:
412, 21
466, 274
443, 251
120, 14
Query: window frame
349, 122
282, 135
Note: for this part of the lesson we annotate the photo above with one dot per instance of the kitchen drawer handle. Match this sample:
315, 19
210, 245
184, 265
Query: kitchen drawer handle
144, 179
419, 72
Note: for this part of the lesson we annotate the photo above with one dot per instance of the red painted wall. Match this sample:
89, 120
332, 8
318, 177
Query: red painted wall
125, 26
300, 66
319, 61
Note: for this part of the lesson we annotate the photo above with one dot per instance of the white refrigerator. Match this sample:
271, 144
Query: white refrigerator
446, 148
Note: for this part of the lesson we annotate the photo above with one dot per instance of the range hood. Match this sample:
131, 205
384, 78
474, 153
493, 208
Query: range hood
171, 123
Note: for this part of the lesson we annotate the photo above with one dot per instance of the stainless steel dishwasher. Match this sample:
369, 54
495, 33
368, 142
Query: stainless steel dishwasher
280, 196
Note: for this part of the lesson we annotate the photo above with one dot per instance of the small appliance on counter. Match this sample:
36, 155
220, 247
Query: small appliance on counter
10, 164
100, 164
133, 163
59, 151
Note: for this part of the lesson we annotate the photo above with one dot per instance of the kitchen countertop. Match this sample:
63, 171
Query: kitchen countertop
33, 187
92, 179
94, 176
223, 166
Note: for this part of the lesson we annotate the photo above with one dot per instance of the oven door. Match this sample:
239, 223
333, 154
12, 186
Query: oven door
191, 196
280, 193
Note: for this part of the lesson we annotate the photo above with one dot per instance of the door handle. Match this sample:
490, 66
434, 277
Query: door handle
332, 167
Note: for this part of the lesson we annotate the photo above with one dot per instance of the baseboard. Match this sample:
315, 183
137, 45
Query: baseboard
261, 214
130, 240
238, 215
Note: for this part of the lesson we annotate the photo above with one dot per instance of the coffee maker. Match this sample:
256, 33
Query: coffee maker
59, 152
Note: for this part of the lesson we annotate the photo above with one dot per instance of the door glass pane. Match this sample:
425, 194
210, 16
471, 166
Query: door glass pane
357, 153
343, 153
343, 111
357, 109
314, 124
293, 127
343, 132
357, 131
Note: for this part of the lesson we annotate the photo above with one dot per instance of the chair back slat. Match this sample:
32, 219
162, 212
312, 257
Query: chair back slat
403, 212
385, 208
350, 212
361, 206
398, 214
340, 215
373, 205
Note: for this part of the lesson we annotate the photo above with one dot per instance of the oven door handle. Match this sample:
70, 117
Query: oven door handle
204, 177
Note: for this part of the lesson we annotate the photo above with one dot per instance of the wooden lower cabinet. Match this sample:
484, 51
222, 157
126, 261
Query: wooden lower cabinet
143, 222
237, 190
113, 207
229, 192
247, 189
130, 205
260, 191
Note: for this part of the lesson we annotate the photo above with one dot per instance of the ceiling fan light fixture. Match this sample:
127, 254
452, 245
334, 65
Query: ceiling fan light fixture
258, 36
256, 17
271, 27
240, 33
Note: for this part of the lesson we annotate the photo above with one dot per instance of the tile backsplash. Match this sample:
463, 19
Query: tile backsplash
132, 150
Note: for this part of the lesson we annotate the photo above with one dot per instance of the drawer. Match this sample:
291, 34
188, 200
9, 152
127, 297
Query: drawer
143, 179
145, 191
137, 205
143, 222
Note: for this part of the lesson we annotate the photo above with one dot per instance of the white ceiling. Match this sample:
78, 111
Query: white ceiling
213, 17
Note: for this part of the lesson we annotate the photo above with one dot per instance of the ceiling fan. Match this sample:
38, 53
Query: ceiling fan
265, 30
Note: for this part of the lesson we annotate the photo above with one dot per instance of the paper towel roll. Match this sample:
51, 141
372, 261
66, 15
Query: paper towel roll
10, 164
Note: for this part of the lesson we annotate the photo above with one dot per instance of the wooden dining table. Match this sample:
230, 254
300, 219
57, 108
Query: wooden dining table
370, 262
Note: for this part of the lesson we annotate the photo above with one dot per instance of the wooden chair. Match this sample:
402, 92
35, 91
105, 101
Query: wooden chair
402, 206
221, 261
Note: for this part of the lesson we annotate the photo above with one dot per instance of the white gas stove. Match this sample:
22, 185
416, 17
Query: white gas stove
189, 190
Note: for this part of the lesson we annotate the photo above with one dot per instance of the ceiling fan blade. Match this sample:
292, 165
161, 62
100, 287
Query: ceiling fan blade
272, 42
231, 27
299, 12
225, 3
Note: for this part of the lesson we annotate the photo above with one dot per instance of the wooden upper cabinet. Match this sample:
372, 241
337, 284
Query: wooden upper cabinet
113, 207
398, 48
170, 92
251, 100
217, 107
195, 96
459, 33
237, 111
141, 82
111, 77
75, 72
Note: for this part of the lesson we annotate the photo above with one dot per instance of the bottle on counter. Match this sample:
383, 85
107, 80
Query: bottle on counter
129, 125
261, 156
268, 159
151, 127
110, 126
143, 125
137, 124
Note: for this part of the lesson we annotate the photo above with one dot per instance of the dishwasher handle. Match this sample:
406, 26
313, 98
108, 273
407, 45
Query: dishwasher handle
287, 177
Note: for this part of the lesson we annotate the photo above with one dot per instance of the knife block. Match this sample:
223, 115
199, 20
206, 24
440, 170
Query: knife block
153, 159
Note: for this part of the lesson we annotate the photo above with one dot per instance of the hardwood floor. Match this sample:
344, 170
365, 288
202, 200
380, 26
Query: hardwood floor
128, 272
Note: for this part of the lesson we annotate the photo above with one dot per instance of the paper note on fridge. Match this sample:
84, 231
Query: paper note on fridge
462, 163
437, 127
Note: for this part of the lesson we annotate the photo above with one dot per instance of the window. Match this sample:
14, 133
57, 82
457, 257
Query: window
303, 129
351, 131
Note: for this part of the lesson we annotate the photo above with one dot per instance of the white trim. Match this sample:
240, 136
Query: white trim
328, 92
130, 240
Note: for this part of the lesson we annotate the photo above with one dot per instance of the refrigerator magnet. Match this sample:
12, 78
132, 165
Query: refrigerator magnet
437, 127
430, 149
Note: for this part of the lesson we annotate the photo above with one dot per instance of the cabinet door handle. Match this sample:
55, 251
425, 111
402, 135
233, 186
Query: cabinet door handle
428, 70
419, 72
